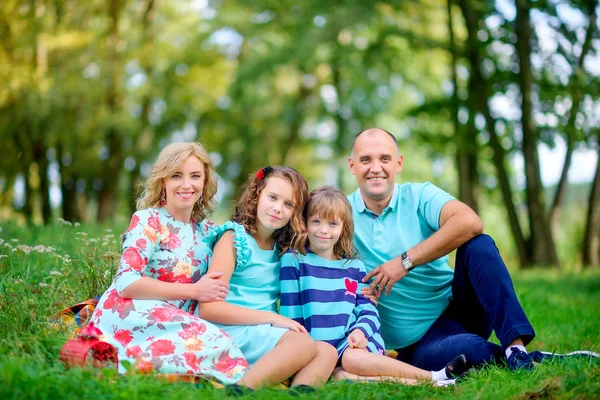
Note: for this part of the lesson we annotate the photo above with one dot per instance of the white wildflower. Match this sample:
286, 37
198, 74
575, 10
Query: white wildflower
3, 256
65, 222
44, 284
14, 240
55, 272
76, 224
24, 248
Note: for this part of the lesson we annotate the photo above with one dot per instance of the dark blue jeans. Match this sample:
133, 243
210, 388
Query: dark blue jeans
483, 299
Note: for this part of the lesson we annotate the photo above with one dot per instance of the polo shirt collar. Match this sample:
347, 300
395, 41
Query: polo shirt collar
360, 203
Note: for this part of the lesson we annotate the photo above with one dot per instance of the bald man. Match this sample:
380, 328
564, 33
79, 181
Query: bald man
404, 233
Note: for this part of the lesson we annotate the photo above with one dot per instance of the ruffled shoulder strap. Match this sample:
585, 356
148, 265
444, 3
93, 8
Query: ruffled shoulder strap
240, 240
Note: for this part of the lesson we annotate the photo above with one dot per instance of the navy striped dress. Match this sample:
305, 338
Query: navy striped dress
324, 296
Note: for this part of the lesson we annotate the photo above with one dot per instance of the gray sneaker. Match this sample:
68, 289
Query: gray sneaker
540, 356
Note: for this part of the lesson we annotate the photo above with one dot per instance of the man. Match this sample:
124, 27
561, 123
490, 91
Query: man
403, 233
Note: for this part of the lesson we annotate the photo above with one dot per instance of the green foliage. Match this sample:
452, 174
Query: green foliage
46, 269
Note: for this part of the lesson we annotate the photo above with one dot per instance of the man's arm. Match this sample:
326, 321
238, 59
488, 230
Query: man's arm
458, 224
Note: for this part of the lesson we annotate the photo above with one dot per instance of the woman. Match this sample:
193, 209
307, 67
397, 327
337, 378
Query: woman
147, 311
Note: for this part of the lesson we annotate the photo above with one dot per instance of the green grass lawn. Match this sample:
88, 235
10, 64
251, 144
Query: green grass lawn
43, 270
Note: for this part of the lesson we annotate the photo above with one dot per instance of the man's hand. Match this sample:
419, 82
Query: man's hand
386, 275
357, 339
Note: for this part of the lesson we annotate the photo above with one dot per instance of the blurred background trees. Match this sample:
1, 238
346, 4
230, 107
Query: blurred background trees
472, 89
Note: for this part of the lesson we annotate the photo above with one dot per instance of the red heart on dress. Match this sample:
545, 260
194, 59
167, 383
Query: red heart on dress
351, 286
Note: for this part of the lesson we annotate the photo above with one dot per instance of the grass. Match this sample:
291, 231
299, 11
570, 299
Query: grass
43, 270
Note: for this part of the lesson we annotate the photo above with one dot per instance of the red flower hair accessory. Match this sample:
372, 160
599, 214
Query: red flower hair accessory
263, 172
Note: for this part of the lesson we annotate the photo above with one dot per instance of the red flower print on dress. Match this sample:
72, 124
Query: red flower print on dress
192, 330
111, 299
118, 304
133, 258
162, 347
144, 366
193, 361
166, 314
174, 241
226, 363
168, 277
134, 222
141, 244
123, 336
134, 352
124, 306
154, 222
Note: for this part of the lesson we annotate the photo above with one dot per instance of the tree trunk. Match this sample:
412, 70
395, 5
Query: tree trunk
480, 89
295, 124
107, 195
541, 243
340, 147
28, 208
40, 158
466, 144
591, 241
576, 83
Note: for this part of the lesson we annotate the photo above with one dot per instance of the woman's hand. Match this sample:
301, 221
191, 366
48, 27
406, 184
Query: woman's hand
210, 288
357, 339
284, 322
370, 294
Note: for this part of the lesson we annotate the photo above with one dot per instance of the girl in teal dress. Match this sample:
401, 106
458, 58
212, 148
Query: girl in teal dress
267, 221
147, 313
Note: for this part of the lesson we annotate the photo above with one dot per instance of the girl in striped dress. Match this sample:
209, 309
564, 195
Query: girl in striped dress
322, 291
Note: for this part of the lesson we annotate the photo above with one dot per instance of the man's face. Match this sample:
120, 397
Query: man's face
375, 163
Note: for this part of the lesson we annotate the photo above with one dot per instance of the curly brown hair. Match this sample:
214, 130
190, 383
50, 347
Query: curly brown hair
330, 203
168, 161
293, 234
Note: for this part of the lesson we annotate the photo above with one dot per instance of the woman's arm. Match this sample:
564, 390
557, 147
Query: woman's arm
138, 248
224, 261
208, 288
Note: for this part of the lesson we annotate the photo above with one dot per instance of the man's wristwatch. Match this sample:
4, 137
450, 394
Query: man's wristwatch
407, 263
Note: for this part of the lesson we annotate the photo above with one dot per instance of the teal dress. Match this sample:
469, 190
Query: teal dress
254, 284
165, 336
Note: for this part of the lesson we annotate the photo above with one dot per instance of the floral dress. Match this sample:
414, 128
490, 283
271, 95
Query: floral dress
162, 335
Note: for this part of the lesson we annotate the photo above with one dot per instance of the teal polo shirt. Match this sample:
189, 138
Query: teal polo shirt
418, 299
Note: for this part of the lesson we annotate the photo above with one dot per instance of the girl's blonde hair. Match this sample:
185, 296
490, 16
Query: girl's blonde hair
293, 234
328, 202
169, 160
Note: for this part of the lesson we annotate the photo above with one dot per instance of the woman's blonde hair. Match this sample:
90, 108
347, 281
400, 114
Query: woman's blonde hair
168, 161
329, 203
293, 234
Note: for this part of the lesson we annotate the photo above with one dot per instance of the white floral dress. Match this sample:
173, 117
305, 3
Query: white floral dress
161, 335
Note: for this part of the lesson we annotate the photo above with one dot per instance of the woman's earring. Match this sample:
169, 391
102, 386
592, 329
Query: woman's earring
163, 197
201, 201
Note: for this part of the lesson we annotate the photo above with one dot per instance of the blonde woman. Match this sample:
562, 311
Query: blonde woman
147, 312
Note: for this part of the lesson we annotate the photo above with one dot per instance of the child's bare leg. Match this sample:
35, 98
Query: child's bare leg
292, 352
318, 371
340, 374
362, 362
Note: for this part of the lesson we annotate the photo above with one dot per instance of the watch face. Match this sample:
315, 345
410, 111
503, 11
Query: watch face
406, 264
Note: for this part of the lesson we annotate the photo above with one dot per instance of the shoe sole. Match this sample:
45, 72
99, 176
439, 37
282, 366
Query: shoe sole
587, 353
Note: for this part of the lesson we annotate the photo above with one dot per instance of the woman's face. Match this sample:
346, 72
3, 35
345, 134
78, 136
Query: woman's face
184, 186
